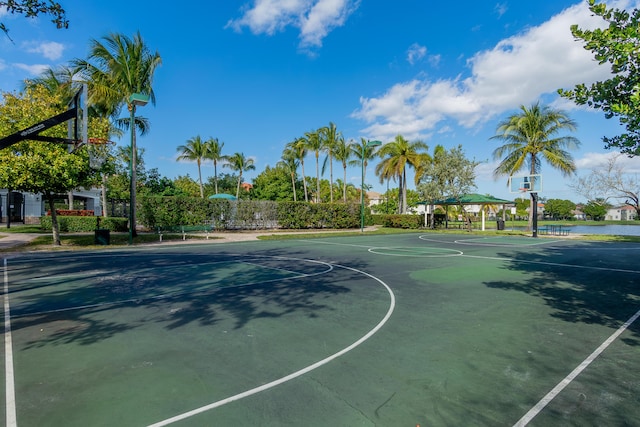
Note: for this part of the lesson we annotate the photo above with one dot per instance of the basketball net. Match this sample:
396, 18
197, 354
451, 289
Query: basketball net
98, 150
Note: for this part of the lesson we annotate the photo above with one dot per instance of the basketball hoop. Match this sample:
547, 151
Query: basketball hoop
98, 149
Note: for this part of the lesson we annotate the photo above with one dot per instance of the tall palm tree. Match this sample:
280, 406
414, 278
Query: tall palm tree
194, 150
214, 152
299, 147
314, 144
290, 163
330, 139
240, 163
118, 67
397, 155
359, 149
343, 153
530, 136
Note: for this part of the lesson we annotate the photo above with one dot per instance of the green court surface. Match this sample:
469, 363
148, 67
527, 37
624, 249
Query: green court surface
397, 330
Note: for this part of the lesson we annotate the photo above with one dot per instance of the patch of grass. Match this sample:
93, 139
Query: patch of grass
33, 229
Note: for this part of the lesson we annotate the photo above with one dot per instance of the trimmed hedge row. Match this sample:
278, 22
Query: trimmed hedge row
158, 211
84, 223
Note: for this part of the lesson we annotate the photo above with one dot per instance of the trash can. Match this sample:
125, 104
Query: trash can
102, 236
500, 224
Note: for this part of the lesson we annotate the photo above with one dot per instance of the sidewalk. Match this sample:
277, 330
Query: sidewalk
10, 240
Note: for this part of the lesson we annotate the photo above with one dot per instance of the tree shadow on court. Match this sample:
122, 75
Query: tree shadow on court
173, 290
582, 285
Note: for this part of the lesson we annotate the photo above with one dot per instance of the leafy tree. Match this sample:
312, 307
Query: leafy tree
226, 183
559, 209
238, 162
532, 136
186, 185
118, 67
618, 44
446, 174
194, 150
40, 167
596, 209
522, 206
397, 155
33, 8
273, 184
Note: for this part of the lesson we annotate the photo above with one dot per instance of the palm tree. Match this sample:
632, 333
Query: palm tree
299, 148
214, 152
397, 155
118, 67
330, 138
194, 150
358, 149
342, 153
314, 143
532, 136
240, 163
290, 163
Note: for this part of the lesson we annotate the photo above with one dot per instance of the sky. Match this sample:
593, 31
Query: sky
257, 74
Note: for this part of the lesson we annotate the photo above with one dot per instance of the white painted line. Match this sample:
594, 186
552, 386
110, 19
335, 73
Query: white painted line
577, 371
297, 373
554, 264
10, 399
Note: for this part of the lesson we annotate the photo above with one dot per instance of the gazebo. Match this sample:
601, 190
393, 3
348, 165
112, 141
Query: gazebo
471, 199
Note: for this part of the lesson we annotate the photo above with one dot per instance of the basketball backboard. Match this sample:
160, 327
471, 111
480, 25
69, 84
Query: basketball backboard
525, 184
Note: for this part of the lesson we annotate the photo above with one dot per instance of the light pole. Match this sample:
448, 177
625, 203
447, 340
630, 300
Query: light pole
135, 99
369, 144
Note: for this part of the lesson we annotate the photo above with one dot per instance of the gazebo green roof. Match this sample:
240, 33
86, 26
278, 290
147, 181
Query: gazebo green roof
470, 199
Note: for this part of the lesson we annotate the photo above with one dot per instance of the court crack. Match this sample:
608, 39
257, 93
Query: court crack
338, 397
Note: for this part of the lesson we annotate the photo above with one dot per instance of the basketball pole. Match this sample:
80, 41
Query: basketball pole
534, 199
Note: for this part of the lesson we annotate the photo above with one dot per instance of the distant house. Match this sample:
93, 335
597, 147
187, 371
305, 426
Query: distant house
621, 213
27, 208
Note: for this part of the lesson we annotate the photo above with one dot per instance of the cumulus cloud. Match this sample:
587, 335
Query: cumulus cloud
592, 161
517, 71
314, 18
50, 50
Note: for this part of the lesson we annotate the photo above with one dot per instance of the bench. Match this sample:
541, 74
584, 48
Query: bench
184, 230
556, 230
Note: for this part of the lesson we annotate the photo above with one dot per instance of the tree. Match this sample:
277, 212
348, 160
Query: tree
194, 150
226, 183
186, 185
397, 155
290, 163
117, 68
532, 136
214, 153
596, 209
33, 8
610, 181
40, 167
299, 148
273, 184
330, 139
240, 163
619, 96
559, 209
448, 174
343, 152
313, 142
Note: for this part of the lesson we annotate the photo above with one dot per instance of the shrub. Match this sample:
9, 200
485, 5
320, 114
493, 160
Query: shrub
76, 224
403, 221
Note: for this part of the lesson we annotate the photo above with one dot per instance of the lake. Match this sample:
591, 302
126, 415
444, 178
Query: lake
611, 229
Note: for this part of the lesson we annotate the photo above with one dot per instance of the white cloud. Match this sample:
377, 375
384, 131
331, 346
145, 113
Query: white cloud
314, 18
517, 71
501, 9
34, 69
415, 53
50, 50
599, 160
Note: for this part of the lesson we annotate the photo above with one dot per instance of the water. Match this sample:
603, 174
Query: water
611, 229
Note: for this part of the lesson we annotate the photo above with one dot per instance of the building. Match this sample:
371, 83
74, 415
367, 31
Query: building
621, 213
27, 208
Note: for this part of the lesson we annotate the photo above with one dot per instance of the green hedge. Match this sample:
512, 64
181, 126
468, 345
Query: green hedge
158, 211
403, 221
74, 224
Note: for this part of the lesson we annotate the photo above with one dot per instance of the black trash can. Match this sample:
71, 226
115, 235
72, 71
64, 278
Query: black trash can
102, 236
500, 224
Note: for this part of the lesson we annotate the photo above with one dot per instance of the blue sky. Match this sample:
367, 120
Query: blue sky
257, 74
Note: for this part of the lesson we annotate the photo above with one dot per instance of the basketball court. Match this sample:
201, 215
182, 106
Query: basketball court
398, 330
